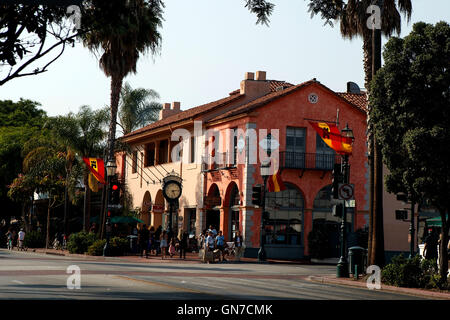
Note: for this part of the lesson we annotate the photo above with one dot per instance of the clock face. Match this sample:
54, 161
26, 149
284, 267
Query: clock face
172, 190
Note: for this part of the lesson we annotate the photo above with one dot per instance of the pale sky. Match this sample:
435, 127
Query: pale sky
207, 47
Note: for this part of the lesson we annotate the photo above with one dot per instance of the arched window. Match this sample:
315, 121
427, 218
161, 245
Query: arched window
284, 225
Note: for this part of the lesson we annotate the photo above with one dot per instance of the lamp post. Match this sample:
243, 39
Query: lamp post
265, 172
110, 172
342, 266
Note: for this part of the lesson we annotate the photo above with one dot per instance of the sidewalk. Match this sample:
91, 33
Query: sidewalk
331, 279
190, 258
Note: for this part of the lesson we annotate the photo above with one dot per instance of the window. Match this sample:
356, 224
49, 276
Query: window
149, 155
192, 159
285, 208
134, 158
295, 147
163, 151
325, 156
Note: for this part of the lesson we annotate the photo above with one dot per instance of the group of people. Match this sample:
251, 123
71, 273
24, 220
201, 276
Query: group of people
151, 241
15, 239
211, 240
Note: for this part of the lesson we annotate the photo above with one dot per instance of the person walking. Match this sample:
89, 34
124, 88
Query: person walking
184, 244
10, 237
172, 249
143, 240
238, 245
21, 239
158, 240
220, 244
163, 244
431, 244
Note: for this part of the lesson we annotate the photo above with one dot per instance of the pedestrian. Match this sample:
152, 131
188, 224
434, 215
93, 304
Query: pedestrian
9, 236
158, 240
172, 250
151, 240
21, 239
184, 244
431, 244
163, 243
143, 237
213, 230
210, 241
220, 244
238, 245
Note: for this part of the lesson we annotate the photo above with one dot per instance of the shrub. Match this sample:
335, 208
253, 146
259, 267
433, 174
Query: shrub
119, 246
80, 242
34, 239
96, 249
404, 272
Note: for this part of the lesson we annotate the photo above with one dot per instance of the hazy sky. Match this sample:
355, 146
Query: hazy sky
207, 47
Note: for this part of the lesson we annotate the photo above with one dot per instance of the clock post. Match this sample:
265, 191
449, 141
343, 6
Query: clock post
172, 188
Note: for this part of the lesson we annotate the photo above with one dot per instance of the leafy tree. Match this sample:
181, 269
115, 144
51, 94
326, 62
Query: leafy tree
19, 122
411, 99
352, 16
30, 34
137, 108
82, 133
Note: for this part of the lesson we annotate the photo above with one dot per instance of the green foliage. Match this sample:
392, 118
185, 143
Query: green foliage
34, 239
80, 242
318, 243
96, 249
118, 247
412, 273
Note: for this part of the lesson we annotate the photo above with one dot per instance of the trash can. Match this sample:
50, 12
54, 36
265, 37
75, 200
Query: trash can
133, 243
357, 258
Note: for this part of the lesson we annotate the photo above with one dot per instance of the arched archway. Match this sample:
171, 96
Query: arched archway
284, 226
329, 225
146, 208
213, 204
158, 210
232, 203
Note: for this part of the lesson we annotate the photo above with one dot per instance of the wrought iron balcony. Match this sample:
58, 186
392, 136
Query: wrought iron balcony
223, 160
310, 161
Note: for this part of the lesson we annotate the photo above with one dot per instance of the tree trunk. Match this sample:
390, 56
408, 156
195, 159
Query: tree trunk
116, 87
47, 237
87, 200
376, 256
443, 254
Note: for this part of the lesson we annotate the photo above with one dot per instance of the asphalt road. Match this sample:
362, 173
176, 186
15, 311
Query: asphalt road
26, 275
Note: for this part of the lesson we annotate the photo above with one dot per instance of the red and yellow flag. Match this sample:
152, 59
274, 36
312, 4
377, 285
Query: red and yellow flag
330, 134
275, 183
97, 167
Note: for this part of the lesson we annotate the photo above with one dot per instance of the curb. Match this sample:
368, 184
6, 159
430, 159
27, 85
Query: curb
409, 291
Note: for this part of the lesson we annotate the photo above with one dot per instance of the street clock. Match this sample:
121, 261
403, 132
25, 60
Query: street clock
172, 187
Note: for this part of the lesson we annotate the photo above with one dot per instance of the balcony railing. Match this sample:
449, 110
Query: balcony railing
223, 160
311, 161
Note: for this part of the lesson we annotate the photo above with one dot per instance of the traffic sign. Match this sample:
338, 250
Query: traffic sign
346, 191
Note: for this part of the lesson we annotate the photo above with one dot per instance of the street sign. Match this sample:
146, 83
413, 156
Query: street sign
114, 206
346, 191
350, 203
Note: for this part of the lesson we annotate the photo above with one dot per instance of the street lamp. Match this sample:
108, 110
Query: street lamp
342, 266
265, 173
110, 172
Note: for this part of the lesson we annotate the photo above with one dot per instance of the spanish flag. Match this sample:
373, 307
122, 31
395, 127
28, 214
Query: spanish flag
330, 134
97, 167
275, 183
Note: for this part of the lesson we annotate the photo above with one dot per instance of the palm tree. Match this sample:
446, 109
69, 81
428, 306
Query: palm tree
353, 16
83, 133
122, 31
137, 108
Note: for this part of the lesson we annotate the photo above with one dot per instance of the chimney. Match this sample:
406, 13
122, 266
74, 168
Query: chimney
169, 109
254, 88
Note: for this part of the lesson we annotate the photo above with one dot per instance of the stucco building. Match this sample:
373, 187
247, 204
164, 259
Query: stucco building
216, 149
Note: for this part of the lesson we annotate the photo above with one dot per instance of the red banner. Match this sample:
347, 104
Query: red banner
97, 167
275, 183
330, 134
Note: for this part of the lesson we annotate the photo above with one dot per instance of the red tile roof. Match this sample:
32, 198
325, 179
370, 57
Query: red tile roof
359, 100
186, 114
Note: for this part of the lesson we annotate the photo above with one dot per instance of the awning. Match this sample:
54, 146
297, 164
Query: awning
435, 222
